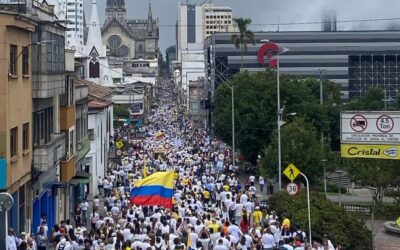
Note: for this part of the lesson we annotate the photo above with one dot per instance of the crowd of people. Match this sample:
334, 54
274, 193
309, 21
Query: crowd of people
212, 209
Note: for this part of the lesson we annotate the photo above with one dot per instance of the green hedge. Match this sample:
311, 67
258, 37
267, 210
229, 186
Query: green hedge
327, 218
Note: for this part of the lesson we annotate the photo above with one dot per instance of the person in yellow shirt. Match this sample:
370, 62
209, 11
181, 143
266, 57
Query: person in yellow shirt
214, 225
285, 222
206, 196
257, 216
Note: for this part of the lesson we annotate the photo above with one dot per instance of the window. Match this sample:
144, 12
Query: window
43, 126
14, 141
25, 136
94, 69
91, 134
13, 60
114, 41
25, 61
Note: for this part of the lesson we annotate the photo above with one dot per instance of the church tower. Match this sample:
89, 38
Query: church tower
151, 36
97, 69
116, 8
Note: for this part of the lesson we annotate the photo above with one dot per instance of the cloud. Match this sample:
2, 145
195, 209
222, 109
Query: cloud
264, 12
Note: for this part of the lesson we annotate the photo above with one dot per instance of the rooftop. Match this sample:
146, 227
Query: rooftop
98, 104
95, 91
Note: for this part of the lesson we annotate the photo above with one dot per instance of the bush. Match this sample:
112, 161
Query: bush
330, 188
327, 218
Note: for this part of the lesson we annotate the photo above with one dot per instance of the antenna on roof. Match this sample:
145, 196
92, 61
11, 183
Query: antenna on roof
278, 24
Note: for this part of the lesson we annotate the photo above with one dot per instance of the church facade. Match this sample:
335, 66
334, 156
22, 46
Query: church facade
129, 38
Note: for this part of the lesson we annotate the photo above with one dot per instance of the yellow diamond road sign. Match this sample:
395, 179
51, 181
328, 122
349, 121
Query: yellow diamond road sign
291, 172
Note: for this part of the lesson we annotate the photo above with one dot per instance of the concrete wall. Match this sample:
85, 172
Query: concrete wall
98, 155
15, 101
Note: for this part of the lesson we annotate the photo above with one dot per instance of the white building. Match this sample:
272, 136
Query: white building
71, 11
100, 128
98, 69
197, 22
193, 67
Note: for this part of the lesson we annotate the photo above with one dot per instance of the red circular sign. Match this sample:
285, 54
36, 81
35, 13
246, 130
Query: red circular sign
358, 123
292, 188
384, 123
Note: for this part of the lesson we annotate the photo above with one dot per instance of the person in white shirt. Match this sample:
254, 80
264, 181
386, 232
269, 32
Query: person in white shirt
235, 232
268, 240
220, 245
84, 207
238, 213
261, 181
252, 179
11, 240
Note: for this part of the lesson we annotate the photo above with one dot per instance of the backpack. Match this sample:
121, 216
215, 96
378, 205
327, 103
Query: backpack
300, 236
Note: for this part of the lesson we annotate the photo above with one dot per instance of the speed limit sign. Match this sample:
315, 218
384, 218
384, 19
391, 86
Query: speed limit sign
292, 188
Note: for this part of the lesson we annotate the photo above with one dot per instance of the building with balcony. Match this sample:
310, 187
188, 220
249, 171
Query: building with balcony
48, 85
82, 144
16, 115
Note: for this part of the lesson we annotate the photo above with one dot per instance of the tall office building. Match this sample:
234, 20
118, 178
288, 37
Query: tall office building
72, 12
197, 22
329, 22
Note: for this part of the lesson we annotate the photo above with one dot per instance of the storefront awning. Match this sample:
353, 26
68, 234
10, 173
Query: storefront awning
55, 185
81, 178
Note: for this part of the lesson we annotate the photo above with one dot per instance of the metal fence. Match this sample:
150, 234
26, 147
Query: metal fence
359, 208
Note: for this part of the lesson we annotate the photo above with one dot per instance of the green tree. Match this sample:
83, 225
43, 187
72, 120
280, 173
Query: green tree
327, 218
255, 108
373, 100
244, 37
121, 112
378, 174
300, 146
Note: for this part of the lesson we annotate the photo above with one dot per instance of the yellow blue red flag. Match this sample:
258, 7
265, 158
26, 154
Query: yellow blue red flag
154, 190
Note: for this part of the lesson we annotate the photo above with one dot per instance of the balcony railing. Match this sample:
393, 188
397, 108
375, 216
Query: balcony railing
67, 117
22, 2
67, 169
24, 6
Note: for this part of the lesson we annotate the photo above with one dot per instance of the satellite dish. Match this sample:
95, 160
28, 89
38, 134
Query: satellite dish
6, 201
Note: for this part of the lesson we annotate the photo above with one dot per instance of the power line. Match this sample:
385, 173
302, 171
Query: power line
284, 23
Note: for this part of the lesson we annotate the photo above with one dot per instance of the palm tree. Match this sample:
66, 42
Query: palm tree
244, 37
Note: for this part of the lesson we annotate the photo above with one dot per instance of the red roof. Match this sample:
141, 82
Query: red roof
98, 104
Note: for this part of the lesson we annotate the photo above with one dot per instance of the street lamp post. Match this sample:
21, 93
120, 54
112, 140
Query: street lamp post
324, 173
233, 122
279, 116
340, 186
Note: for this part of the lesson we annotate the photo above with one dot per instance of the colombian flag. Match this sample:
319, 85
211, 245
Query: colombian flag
154, 190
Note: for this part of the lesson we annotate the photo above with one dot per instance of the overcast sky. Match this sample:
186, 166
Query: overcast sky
267, 12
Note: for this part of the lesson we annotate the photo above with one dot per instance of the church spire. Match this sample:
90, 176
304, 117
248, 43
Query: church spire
94, 33
150, 21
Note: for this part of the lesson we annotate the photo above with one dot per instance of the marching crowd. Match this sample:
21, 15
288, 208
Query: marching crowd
212, 210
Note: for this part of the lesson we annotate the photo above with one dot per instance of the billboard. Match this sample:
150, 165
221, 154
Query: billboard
370, 151
376, 127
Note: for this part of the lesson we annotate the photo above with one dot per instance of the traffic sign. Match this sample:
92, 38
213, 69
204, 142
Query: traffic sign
358, 123
292, 188
385, 123
370, 127
291, 172
119, 144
